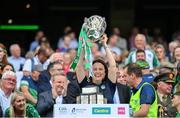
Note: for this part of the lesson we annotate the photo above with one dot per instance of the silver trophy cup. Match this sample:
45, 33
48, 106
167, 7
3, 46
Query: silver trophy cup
95, 27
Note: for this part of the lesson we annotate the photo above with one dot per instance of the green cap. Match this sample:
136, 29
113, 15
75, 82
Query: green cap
142, 64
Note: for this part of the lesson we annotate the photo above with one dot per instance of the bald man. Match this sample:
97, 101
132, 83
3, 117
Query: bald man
140, 43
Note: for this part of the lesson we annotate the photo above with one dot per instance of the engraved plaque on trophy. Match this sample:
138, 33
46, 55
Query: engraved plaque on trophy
84, 99
78, 101
105, 100
100, 99
92, 99
91, 95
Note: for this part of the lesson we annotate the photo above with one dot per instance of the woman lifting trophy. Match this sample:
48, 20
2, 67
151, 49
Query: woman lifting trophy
96, 79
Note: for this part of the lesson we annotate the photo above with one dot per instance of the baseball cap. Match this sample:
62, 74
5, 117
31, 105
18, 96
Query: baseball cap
142, 64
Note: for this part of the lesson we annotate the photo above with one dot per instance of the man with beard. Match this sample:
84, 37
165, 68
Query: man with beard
164, 88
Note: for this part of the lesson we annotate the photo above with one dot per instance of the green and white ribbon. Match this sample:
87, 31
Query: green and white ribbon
83, 42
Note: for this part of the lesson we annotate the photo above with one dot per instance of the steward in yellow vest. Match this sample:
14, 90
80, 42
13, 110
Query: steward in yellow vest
144, 98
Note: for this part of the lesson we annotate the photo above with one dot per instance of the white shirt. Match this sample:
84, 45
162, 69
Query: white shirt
28, 64
19, 75
116, 97
59, 100
5, 101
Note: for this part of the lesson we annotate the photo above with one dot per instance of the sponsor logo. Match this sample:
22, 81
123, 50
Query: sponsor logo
78, 110
121, 110
101, 110
62, 110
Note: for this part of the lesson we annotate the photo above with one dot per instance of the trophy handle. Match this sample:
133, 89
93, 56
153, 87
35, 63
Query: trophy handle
85, 19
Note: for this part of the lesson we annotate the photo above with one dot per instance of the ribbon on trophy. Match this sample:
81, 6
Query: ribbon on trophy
83, 43
92, 30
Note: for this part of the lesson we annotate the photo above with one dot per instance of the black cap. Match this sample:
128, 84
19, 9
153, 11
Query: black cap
165, 77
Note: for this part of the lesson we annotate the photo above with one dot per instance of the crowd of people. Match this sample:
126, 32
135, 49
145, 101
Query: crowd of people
143, 71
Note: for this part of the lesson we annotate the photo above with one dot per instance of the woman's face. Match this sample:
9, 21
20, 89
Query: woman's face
7, 68
1, 54
121, 77
160, 53
175, 101
19, 102
177, 54
99, 71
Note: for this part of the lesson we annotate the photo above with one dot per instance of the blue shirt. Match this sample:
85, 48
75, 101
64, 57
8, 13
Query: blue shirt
147, 95
33, 45
148, 78
16, 62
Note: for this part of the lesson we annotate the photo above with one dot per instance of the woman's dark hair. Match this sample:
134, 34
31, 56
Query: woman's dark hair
8, 64
105, 67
